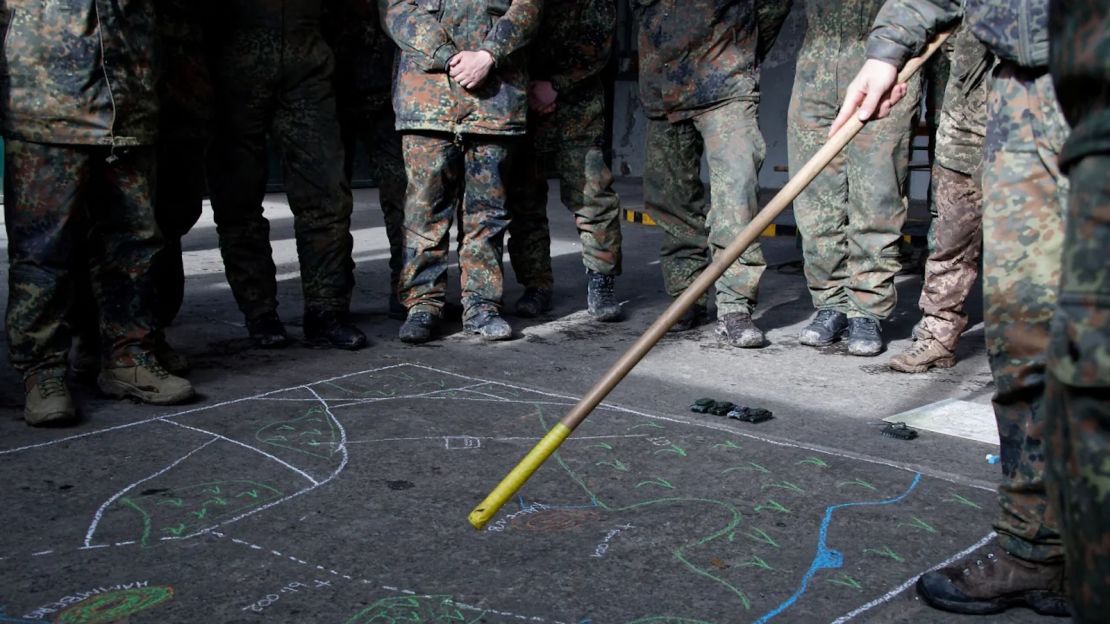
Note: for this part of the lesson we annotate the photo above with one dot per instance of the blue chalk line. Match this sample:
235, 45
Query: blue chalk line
826, 558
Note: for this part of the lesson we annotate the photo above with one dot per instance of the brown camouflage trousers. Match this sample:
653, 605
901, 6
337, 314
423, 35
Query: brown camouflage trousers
281, 89
370, 123
1023, 231
1078, 403
675, 197
955, 242
58, 199
440, 170
586, 188
851, 216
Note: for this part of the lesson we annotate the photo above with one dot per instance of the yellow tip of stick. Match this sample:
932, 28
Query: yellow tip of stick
488, 508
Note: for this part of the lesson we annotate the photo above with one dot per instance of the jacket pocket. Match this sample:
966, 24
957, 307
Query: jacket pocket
497, 8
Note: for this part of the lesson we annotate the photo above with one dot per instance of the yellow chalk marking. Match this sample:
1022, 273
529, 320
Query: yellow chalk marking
487, 509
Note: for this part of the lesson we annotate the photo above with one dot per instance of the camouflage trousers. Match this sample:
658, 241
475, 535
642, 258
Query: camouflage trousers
586, 188
1023, 231
440, 170
675, 197
852, 214
263, 88
955, 242
57, 200
1078, 395
371, 124
177, 208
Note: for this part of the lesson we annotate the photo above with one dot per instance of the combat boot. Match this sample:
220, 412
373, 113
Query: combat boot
601, 302
534, 302
324, 329
267, 331
488, 324
826, 328
923, 355
420, 326
167, 356
147, 381
694, 316
992, 580
864, 337
739, 330
48, 401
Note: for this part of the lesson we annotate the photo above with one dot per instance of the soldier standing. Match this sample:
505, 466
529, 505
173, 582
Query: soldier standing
851, 216
79, 162
1078, 403
956, 233
699, 86
273, 74
460, 98
567, 101
1023, 211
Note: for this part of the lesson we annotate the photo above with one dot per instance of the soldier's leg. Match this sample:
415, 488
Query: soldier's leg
675, 197
42, 195
177, 207
485, 217
388, 165
529, 231
1078, 408
434, 166
735, 150
1024, 193
586, 188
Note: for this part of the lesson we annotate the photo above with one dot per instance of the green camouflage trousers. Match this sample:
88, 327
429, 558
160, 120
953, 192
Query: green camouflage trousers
57, 199
440, 170
370, 122
1078, 404
1023, 231
675, 197
586, 188
851, 216
267, 86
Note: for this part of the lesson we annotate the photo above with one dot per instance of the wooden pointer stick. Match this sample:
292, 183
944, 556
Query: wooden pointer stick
512, 482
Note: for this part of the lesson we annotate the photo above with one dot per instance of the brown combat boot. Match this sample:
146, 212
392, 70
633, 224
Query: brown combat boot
991, 580
922, 355
148, 382
48, 401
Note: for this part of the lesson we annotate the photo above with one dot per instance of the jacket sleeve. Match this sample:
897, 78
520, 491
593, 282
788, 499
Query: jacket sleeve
770, 16
903, 27
591, 46
513, 29
413, 27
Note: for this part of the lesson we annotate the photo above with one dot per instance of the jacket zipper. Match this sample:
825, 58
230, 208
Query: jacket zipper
107, 81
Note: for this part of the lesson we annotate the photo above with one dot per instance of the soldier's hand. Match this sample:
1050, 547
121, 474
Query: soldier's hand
871, 95
542, 96
470, 69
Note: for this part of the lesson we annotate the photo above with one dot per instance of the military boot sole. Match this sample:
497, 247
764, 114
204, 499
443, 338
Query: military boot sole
903, 367
813, 339
121, 390
868, 349
54, 417
607, 315
1044, 602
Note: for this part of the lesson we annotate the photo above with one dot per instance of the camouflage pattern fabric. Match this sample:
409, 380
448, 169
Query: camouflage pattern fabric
430, 33
57, 198
56, 88
441, 169
675, 197
1078, 408
278, 80
1023, 231
851, 216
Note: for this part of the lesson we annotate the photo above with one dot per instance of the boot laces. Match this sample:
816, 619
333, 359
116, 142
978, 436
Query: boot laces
156, 368
52, 386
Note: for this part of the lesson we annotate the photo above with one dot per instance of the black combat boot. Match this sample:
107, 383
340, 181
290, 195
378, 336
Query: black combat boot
328, 329
991, 580
534, 302
421, 326
739, 330
864, 337
601, 302
267, 331
825, 328
694, 316
488, 324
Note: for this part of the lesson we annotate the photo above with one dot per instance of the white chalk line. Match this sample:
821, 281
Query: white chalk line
890, 595
100, 511
440, 438
224, 438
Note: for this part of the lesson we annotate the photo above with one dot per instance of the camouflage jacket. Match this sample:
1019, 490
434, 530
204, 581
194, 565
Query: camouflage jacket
430, 32
185, 86
1081, 71
1014, 30
364, 54
79, 72
838, 21
698, 54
